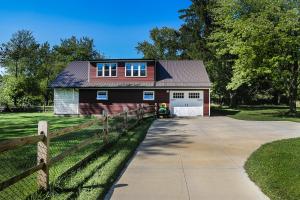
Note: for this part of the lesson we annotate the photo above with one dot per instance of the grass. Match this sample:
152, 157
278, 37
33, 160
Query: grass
24, 124
257, 113
93, 180
275, 168
63, 180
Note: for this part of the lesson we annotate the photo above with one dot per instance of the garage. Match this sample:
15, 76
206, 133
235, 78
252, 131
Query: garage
186, 103
66, 101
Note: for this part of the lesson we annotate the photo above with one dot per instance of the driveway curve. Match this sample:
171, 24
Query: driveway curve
198, 158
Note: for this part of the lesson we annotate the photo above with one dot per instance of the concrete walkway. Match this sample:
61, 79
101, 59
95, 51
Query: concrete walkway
198, 158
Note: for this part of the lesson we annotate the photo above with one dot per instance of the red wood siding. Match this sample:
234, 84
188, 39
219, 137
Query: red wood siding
117, 100
121, 74
206, 103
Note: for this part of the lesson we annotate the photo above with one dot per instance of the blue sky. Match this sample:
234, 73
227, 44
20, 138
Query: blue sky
115, 25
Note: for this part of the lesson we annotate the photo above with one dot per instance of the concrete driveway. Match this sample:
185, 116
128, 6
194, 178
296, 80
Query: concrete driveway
198, 158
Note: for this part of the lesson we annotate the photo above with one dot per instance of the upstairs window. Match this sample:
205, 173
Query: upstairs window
136, 69
107, 69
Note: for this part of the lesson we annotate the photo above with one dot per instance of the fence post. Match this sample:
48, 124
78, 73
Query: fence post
138, 113
142, 112
155, 110
43, 156
125, 119
105, 126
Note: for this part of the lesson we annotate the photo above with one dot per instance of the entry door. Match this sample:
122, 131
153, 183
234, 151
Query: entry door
186, 103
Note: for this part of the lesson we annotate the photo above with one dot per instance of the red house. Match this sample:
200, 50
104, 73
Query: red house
89, 87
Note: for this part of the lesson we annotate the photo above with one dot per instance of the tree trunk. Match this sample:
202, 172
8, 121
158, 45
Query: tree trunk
278, 99
232, 98
293, 88
16, 75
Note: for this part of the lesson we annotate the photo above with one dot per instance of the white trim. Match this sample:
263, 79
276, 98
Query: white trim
103, 70
139, 69
149, 99
106, 93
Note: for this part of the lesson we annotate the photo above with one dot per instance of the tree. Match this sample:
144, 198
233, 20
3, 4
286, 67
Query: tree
197, 27
71, 49
264, 38
17, 51
165, 44
47, 71
196, 43
16, 56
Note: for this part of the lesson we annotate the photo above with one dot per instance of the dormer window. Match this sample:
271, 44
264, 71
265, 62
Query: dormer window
136, 69
107, 69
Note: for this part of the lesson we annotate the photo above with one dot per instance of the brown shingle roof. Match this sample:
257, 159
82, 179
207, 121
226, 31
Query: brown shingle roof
169, 73
181, 73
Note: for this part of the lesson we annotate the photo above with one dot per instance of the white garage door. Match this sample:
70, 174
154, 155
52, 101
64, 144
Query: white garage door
66, 101
186, 103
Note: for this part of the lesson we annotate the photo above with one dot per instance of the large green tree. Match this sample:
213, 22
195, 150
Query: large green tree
165, 44
72, 48
197, 27
263, 37
17, 57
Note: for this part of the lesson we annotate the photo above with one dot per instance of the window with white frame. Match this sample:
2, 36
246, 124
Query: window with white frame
136, 69
148, 95
102, 95
107, 69
178, 95
194, 95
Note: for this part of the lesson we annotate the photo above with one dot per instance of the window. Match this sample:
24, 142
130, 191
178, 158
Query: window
136, 69
194, 95
178, 95
113, 69
128, 70
143, 69
148, 95
100, 69
107, 69
102, 95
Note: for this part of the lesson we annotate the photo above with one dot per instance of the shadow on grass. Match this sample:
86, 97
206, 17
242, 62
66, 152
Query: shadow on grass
216, 111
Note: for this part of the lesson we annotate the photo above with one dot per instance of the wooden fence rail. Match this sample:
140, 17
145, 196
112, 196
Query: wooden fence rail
42, 139
18, 142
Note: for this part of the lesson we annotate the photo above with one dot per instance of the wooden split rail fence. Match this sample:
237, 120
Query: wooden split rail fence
42, 139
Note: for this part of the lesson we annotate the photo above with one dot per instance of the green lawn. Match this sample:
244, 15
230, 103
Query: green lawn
62, 179
23, 124
275, 168
257, 113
